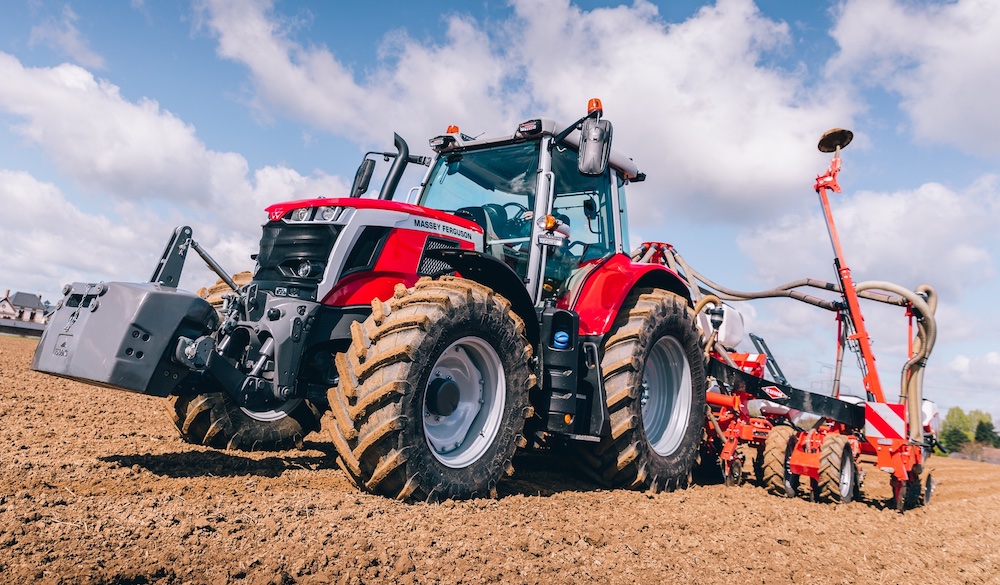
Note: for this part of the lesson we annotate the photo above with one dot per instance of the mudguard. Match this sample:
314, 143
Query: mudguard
601, 295
122, 335
491, 272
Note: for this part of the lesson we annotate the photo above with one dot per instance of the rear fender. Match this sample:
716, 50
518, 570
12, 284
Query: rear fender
605, 289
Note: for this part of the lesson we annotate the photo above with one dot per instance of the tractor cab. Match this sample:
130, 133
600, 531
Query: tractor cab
547, 212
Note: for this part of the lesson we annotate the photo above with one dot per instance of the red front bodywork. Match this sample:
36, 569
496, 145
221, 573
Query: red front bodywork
278, 210
400, 254
396, 264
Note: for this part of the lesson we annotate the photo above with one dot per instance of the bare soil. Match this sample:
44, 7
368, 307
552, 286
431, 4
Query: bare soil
97, 487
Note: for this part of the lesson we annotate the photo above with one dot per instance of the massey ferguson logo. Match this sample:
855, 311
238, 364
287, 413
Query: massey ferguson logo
774, 393
442, 228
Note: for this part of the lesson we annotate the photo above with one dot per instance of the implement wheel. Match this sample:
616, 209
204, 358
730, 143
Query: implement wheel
654, 376
215, 420
433, 393
777, 478
838, 474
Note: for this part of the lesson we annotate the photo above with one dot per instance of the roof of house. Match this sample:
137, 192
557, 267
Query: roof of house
26, 301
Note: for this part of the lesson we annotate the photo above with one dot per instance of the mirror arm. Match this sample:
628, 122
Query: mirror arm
574, 126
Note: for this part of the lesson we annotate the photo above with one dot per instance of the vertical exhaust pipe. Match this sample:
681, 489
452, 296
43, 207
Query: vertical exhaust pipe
397, 168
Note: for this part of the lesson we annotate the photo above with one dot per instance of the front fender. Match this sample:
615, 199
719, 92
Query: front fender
491, 272
607, 286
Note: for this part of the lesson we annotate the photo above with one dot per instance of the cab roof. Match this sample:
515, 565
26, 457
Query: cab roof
623, 164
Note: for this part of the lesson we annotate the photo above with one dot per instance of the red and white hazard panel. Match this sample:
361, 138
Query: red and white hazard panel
885, 421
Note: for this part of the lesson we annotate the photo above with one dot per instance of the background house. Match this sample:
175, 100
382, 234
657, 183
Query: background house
22, 313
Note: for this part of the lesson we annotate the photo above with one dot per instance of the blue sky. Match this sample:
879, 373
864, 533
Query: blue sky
120, 120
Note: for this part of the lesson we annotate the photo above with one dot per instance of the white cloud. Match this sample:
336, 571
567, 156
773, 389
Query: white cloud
691, 102
970, 381
144, 171
99, 138
49, 241
941, 58
930, 234
136, 150
415, 89
63, 36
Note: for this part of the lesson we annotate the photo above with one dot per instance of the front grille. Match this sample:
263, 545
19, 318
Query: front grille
433, 266
293, 257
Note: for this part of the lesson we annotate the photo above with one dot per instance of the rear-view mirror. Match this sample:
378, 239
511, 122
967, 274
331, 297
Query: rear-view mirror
362, 178
595, 146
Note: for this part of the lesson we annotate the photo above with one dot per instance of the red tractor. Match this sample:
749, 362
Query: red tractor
498, 307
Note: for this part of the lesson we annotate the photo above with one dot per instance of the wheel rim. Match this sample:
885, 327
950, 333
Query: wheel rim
471, 369
666, 396
273, 415
846, 478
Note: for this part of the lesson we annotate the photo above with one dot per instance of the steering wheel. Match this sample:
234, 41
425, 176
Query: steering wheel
516, 224
583, 245
521, 210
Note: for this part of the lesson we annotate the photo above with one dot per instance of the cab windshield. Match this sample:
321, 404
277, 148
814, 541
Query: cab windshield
494, 187
503, 176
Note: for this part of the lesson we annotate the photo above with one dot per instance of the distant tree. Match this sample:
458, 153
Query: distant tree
986, 434
978, 416
954, 439
956, 419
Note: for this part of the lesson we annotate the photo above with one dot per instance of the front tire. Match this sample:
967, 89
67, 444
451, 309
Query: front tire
654, 377
433, 393
215, 420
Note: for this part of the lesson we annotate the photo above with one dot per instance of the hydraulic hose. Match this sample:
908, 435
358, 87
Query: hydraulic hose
784, 290
923, 301
911, 383
713, 342
705, 301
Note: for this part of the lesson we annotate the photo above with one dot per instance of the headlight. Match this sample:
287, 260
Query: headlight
302, 214
327, 213
305, 269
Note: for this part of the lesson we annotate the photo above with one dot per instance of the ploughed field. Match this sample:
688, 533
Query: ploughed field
97, 487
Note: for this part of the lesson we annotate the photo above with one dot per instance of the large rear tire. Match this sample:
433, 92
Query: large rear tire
215, 420
777, 478
654, 377
433, 393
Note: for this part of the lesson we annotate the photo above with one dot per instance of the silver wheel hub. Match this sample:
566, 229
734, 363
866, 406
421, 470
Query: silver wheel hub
463, 402
666, 396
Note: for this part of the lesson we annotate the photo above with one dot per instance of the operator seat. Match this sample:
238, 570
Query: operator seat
493, 219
